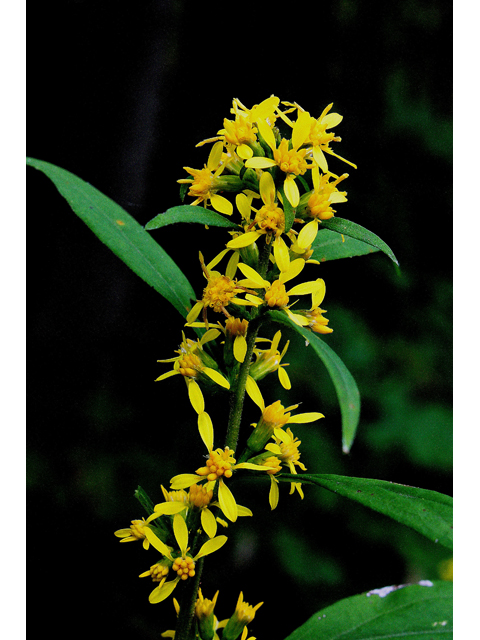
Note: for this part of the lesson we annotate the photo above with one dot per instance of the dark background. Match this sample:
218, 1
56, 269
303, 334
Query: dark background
120, 95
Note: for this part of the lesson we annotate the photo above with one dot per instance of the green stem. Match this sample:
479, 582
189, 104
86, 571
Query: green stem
238, 391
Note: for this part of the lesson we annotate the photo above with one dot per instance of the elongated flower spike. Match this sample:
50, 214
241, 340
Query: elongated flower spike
182, 563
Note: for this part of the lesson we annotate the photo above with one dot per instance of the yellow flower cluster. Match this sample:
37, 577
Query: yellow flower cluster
275, 153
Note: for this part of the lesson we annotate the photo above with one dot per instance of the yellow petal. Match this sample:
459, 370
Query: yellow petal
216, 377
244, 511
331, 120
211, 546
232, 265
164, 376
274, 494
184, 480
308, 234
265, 109
260, 163
280, 251
291, 190
254, 392
162, 592
267, 188
284, 379
244, 151
209, 335
167, 508
302, 418
318, 295
216, 260
320, 158
302, 321
205, 428
239, 348
295, 268
253, 276
244, 205
304, 288
215, 156
227, 501
180, 532
196, 396
266, 133
157, 543
195, 312
209, 524
301, 129
245, 240
221, 204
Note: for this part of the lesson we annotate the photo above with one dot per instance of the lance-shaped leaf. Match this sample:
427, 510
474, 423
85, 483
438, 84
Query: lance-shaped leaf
191, 214
353, 230
122, 234
330, 245
411, 612
345, 386
428, 512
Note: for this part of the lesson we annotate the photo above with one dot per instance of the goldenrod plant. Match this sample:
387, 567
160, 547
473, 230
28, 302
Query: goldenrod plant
272, 181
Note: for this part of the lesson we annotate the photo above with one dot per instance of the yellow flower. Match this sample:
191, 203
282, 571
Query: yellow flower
206, 183
270, 219
220, 291
198, 497
273, 418
319, 138
324, 195
182, 563
270, 360
288, 156
220, 466
316, 321
244, 614
239, 135
136, 531
194, 364
276, 295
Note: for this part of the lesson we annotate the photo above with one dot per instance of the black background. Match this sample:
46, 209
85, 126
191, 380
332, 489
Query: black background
120, 95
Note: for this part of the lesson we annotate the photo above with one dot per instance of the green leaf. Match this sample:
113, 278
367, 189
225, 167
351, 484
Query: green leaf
353, 230
330, 245
345, 386
428, 512
122, 234
190, 213
420, 611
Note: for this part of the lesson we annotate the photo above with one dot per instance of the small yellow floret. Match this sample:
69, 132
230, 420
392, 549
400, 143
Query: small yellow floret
290, 161
219, 292
276, 295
